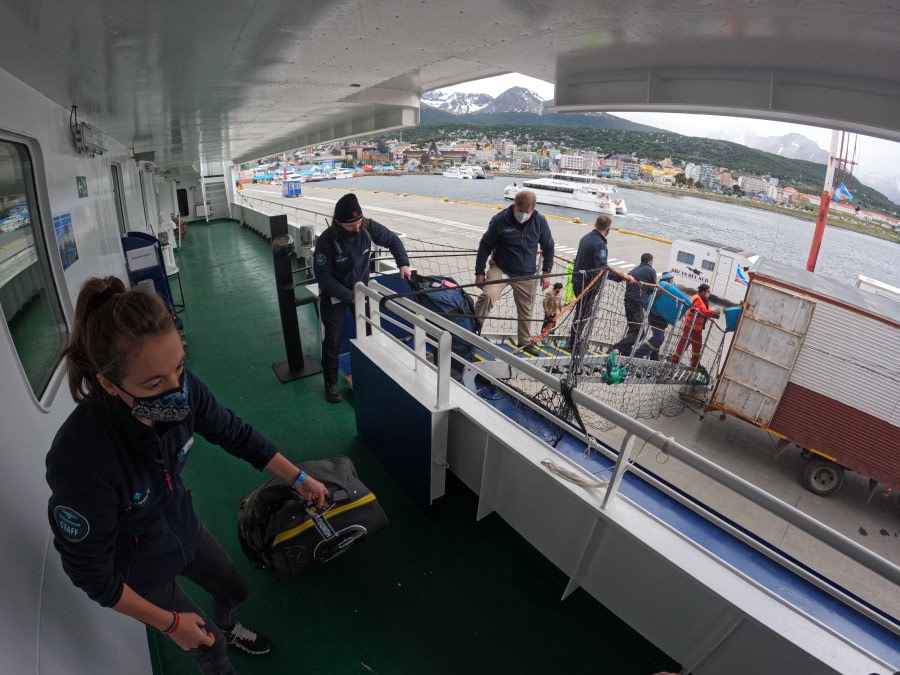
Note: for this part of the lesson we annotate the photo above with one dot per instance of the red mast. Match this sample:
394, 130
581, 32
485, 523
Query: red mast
824, 203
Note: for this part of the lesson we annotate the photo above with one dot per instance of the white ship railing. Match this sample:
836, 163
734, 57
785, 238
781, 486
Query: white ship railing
297, 216
435, 330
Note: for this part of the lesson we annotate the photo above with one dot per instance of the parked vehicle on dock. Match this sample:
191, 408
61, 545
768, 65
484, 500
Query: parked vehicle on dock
814, 362
725, 268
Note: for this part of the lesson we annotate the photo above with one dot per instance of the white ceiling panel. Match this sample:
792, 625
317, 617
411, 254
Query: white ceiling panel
200, 82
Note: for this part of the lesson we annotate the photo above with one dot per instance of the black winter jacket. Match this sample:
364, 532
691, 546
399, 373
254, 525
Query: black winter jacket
341, 258
119, 511
514, 247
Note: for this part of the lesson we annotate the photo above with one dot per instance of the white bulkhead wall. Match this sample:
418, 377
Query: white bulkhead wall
48, 625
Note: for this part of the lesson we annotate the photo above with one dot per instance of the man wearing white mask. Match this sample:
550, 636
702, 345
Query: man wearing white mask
511, 241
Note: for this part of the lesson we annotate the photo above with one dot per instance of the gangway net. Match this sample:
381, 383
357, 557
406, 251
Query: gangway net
579, 344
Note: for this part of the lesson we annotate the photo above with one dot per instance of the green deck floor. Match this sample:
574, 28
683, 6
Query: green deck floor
437, 592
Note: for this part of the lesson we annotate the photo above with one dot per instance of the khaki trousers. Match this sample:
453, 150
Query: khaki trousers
523, 294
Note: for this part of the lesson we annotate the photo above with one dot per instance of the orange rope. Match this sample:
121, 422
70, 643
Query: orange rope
544, 333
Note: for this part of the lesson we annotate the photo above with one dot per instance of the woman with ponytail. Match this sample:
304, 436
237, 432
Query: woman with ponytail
122, 519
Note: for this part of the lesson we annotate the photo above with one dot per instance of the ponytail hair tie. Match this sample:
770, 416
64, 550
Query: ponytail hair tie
100, 298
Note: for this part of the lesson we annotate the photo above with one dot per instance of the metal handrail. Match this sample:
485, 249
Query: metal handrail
319, 221
423, 318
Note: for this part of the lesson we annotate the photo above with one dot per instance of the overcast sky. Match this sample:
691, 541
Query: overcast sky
875, 155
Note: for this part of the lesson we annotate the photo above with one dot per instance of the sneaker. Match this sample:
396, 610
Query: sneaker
332, 395
250, 642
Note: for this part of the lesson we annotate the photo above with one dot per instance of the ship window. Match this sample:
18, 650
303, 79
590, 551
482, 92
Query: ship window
28, 297
708, 265
686, 258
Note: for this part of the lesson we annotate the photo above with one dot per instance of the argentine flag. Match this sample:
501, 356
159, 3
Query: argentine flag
841, 194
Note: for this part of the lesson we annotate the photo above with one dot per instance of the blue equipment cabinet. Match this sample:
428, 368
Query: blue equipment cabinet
143, 258
291, 188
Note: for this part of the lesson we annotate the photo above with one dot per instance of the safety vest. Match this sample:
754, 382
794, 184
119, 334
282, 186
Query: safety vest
700, 321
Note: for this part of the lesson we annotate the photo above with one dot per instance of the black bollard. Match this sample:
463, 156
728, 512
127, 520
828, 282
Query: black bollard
297, 365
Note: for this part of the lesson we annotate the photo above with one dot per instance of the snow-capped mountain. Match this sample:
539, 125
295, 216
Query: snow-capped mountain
516, 99
792, 146
889, 186
457, 104
516, 105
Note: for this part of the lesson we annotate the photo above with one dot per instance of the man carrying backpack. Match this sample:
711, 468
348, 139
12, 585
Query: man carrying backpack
341, 259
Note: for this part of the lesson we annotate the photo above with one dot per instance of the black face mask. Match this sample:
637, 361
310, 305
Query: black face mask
169, 406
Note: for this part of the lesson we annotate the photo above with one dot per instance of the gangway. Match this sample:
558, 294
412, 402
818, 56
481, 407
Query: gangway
557, 361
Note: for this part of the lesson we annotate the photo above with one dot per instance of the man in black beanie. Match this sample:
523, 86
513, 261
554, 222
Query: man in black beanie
340, 260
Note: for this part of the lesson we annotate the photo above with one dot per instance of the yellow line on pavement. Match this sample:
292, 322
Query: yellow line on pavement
645, 236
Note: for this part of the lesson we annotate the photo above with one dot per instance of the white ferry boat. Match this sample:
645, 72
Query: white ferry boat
573, 195
594, 181
466, 171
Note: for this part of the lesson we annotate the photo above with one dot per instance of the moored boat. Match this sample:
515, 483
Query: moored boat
570, 195
466, 171
595, 182
455, 172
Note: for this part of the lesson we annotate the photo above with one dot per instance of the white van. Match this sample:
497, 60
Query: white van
878, 288
724, 268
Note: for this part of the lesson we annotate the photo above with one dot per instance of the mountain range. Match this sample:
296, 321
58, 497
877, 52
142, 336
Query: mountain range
517, 105
798, 146
522, 106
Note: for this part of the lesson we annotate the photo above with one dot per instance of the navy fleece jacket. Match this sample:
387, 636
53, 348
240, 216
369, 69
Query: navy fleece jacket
119, 510
514, 247
341, 258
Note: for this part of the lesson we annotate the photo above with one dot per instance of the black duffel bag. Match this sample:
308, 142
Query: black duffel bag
281, 532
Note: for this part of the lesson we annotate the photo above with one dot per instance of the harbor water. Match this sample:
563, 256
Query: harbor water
844, 254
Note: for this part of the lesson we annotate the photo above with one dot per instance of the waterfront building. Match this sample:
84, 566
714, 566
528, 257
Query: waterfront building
571, 163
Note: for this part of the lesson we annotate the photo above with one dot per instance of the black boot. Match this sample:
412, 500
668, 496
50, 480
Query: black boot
332, 394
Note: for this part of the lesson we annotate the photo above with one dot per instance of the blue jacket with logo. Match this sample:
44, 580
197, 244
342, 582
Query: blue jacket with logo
636, 292
513, 246
341, 258
590, 259
119, 510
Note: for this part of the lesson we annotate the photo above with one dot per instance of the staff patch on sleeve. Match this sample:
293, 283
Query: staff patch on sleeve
72, 525
320, 258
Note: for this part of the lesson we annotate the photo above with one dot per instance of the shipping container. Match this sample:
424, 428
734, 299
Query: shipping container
724, 268
816, 362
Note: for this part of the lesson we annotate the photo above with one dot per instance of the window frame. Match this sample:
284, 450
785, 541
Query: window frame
52, 272
118, 186
144, 199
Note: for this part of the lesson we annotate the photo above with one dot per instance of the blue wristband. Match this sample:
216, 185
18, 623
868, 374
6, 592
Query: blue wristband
300, 478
